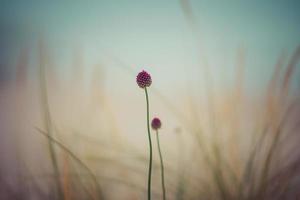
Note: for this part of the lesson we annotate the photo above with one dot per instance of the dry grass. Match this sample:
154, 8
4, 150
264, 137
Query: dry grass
236, 146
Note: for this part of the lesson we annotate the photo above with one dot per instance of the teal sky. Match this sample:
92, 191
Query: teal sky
155, 35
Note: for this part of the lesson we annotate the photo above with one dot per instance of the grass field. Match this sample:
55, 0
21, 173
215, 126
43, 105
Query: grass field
81, 132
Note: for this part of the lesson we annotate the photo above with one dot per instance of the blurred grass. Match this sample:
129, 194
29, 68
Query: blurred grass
243, 148
210, 167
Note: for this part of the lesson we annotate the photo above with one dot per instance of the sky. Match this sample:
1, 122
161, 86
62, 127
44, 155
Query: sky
154, 35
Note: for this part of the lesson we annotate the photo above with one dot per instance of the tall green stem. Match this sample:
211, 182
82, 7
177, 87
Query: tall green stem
161, 167
150, 146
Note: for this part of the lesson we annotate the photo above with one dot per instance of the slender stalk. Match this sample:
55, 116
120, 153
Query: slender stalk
79, 161
161, 167
265, 171
150, 147
48, 119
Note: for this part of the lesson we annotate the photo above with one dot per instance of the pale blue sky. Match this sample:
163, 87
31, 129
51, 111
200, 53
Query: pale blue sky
155, 35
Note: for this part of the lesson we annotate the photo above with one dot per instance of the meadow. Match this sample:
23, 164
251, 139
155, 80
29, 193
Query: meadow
68, 135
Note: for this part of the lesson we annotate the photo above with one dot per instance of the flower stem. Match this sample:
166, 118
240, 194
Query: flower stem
161, 166
150, 146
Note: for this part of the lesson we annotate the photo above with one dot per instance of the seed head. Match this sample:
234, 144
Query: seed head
143, 79
156, 123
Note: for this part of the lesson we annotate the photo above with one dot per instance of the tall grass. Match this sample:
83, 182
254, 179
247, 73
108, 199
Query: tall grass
247, 150
208, 168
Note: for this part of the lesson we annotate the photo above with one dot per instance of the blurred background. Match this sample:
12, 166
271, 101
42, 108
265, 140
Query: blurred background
225, 85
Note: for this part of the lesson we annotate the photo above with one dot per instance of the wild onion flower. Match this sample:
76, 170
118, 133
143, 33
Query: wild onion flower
156, 124
143, 79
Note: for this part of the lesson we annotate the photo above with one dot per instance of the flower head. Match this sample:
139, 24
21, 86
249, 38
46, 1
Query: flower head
156, 123
143, 79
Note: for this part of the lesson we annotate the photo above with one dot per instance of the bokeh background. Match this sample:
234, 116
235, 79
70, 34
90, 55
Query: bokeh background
225, 85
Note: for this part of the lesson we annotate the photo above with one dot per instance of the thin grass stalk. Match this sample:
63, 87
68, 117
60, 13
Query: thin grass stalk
66, 178
161, 167
91, 194
289, 72
248, 171
288, 174
265, 172
150, 146
273, 149
80, 162
217, 173
47, 118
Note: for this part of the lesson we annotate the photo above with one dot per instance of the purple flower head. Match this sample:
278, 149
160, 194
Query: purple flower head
143, 79
156, 123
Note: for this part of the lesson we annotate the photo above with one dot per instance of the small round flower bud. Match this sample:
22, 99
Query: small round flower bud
156, 123
143, 79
